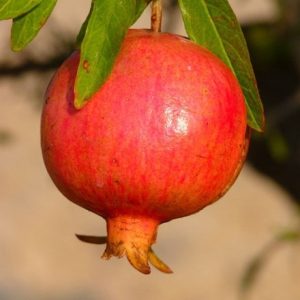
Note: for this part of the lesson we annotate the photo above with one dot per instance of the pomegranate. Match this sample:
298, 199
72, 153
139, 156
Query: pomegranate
165, 136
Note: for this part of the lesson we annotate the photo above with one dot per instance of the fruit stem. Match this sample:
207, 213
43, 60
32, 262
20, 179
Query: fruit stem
156, 15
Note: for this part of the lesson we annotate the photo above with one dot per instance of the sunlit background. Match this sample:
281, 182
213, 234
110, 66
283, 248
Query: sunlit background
246, 246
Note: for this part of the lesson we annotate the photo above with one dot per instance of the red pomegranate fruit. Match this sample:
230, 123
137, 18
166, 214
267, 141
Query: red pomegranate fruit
165, 136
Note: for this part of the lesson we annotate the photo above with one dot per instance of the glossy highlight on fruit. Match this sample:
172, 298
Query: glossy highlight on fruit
165, 136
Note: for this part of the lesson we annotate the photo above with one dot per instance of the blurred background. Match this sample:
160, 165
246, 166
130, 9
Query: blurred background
246, 246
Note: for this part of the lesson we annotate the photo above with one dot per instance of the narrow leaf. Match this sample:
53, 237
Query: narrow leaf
252, 272
289, 236
140, 7
91, 239
105, 31
27, 26
10, 9
256, 265
82, 31
213, 24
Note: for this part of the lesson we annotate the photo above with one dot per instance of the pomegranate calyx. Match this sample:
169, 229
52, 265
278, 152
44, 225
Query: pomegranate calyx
158, 263
152, 257
91, 239
132, 236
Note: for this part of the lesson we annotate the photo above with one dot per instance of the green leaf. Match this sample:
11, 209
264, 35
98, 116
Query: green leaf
106, 28
82, 31
289, 236
213, 24
10, 9
252, 272
27, 26
140, 7
255, 266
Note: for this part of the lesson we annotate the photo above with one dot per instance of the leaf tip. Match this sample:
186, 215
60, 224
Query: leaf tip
79, 103
258, 125
15, 46
16, 49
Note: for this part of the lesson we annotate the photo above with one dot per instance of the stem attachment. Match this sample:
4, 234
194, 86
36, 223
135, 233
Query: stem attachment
156, 15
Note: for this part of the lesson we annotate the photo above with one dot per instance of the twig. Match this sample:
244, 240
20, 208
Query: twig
156, 15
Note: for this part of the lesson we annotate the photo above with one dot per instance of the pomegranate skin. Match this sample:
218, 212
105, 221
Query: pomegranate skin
165, 136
